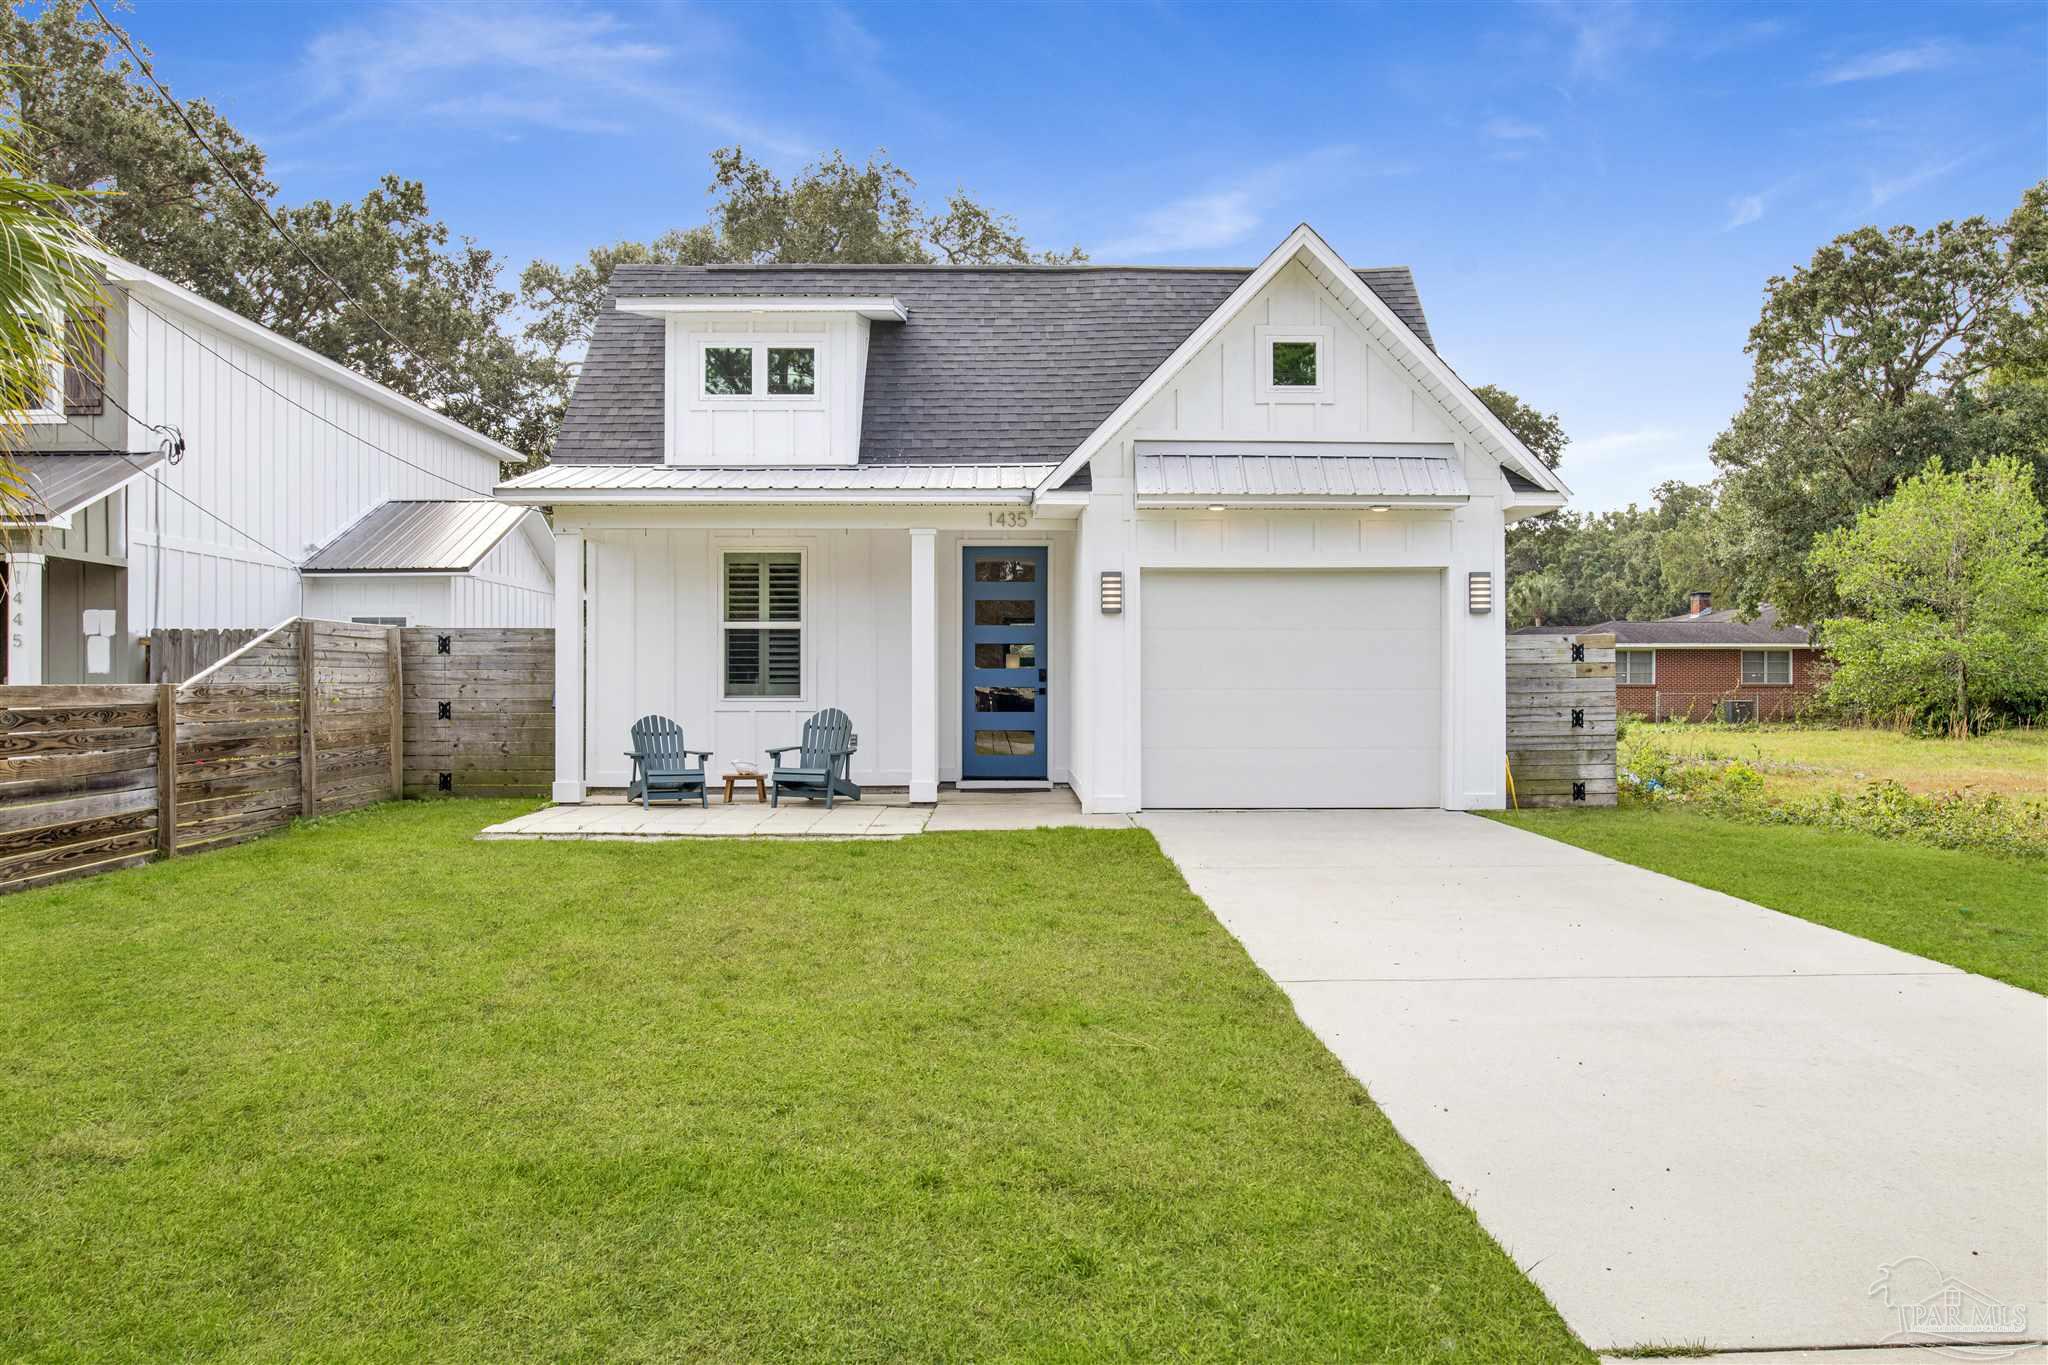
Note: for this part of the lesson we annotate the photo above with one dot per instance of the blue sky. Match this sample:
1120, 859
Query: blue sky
1592, 196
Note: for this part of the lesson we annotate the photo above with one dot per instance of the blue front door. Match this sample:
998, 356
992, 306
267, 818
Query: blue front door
1002, 730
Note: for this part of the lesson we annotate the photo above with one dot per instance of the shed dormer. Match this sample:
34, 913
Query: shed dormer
764, 380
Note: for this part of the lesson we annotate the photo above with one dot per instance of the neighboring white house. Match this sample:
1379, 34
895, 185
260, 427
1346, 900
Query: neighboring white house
1175, 537
212, 464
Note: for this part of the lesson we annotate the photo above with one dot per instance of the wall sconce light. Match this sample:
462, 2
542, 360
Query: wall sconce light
1215, 507
1479, 593
1112, 593
1379, 507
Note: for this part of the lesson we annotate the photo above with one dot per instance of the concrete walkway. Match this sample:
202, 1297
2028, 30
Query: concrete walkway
881, 813
1693, 1121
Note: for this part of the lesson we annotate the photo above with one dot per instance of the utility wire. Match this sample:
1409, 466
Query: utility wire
258, 379
269, 217
157, 475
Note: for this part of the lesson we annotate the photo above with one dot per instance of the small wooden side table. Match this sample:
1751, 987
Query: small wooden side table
760, 781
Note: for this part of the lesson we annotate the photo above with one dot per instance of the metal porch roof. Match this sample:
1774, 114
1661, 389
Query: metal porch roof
770, 483
1289, 471
418, 537
62, 484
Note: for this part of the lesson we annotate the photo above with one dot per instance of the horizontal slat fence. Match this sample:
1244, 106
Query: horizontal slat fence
310, 718
479, 711
78, 783
1561, 719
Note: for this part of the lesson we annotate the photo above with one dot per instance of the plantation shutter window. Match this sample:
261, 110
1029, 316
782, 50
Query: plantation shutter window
764, 624
1766, 666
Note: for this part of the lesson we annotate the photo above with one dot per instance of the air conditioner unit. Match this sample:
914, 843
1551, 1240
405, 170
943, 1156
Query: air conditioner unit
1736, 711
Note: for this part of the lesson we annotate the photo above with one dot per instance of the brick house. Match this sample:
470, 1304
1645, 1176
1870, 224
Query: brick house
1688, 666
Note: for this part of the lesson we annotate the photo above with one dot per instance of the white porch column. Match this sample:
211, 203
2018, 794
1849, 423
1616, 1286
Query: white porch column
24, 619
569, 597
924, 666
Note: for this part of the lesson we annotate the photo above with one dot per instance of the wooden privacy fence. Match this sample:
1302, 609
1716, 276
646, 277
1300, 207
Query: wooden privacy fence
1561, 719
479, 711
176, 655
311, 718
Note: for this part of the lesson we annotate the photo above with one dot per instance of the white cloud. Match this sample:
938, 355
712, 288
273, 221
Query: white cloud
1604, 34
1224, 215
1609, 445
1504, 129
1885, 190
576, 70
1896, 61
1743, 210
1197, 222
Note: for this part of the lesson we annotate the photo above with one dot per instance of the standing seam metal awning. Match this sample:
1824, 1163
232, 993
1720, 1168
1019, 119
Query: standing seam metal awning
448, 536
1281, 471
60, 484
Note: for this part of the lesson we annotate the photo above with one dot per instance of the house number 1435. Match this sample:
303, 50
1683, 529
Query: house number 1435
1013, 519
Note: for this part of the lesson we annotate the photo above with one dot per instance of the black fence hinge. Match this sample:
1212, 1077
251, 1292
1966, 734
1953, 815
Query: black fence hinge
444, 644
1578, 789
1578, 654
446, 784
1578, 717
447, 711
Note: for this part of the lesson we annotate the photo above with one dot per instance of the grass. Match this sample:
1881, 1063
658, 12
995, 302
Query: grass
1799, 762
372, 1090
1982, 914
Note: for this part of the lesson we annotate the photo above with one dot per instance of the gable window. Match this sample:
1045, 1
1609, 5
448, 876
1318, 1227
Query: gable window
760, 370
1766, 667
764, 624
1635, 667
1292, 364
728, 371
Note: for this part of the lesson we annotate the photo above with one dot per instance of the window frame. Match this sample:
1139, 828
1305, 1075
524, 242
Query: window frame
759, 344
1265, 338
51, 412
801, 625
1764, 668
1620, 680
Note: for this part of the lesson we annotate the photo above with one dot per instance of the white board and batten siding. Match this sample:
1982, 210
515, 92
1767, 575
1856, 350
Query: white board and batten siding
820, 429
262, 463
1128, 722
655, 644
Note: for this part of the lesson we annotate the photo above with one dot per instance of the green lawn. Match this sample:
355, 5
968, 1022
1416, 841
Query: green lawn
1802, 762
372, 1090
1983, 914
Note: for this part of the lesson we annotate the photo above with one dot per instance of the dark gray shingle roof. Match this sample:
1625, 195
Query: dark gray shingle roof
997, 363
1718, 627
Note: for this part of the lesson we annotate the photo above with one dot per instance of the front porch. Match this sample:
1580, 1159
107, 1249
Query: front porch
882, 813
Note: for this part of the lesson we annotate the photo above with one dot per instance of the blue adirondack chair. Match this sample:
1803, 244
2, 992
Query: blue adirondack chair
661, 768
822, 760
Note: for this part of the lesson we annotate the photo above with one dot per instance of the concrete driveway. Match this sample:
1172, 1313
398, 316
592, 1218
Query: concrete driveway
1690, 1119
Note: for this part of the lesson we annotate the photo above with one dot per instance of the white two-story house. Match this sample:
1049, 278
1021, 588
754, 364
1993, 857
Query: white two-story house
1173, 537
210, 474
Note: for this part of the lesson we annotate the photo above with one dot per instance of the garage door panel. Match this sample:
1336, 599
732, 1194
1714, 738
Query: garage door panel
1273, 689
1304, 597
1339, 779
1214, 719
1291, 659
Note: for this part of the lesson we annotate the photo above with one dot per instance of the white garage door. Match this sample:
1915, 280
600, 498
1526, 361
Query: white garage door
1277, 689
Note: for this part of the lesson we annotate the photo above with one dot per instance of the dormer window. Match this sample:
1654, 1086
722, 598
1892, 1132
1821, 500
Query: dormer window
1293, 364
760, 370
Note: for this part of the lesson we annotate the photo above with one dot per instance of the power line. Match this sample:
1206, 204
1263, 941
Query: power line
341, 289
156, 475
317, 416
